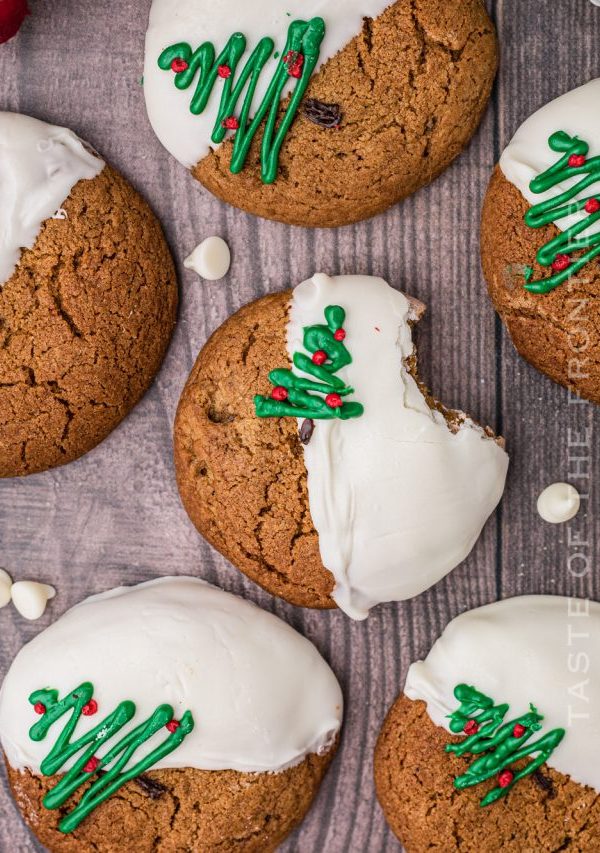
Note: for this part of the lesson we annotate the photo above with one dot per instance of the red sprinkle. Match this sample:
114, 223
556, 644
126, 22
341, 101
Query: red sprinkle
576, 160
294, 62
172, 726
39, 708
340, 334
592, 205
279, 393
519, 730
505, 778
91, 765
319, 357
231, 123
561, 262
334, 401
178, 65
224, 71
471, 727
90, 709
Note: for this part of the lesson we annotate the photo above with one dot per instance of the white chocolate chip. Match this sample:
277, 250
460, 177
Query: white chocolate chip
5, 588
30, 598
558, 503
211, 259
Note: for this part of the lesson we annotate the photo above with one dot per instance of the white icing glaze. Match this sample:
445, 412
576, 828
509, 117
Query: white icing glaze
30, 598
539, 649
211, 259
397, 499
528, 154
188, 137
39, 166
261, 695
5, 588
558, 503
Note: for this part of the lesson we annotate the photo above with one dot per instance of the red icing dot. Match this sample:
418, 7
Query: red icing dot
279, 393
519, 730
471, 727
319, 357
90, 709
561, 262
576, 160
231, 123
295, 63
172, 726
91, 765
178, 65
39, 708
505, 778
334, 401
224, 71
340, 334
592, 205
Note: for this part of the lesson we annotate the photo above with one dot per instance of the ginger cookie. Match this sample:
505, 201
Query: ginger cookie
540, 240
88, 297
495, 743
312, 113
167, 716
308, 453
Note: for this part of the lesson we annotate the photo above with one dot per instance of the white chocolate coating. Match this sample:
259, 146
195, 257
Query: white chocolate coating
188, 137
261, 695
211, 259
537, 649
398, 500
528, 154
558, 503
39, 166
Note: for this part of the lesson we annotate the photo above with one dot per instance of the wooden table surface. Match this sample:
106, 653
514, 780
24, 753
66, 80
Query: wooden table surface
114, 517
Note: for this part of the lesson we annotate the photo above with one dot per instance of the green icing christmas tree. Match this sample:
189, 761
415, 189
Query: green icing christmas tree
109, 772
496, 745
558, 253
321, 398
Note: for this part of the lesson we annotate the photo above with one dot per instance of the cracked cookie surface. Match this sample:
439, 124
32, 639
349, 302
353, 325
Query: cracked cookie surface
175, 811
557, 332
85, 321
414, 780
242, 479
412, 88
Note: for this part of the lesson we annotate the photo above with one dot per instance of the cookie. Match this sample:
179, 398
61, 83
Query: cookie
317, 114
88, 297
495, 743
339, 482
167, 716
540, 240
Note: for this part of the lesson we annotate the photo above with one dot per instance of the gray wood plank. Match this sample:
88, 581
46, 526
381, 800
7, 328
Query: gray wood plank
115, 516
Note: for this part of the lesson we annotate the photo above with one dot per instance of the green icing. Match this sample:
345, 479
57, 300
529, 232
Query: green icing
495, 742
300, 403
566, 203
110, 771
303, 40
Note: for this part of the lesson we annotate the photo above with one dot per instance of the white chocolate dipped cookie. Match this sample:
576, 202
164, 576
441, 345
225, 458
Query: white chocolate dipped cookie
496, 739
88, 295
310, 455
317, 113
170, 692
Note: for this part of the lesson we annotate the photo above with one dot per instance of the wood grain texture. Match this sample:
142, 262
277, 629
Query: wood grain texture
114, 517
